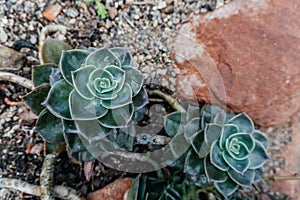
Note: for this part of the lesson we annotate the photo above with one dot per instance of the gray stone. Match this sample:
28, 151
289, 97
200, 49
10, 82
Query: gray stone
3, 35
10, 59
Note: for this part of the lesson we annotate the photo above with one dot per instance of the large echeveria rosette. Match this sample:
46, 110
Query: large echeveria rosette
227, 149
97, 90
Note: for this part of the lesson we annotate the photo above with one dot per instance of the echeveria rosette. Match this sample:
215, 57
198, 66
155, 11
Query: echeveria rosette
100, 90
230, 152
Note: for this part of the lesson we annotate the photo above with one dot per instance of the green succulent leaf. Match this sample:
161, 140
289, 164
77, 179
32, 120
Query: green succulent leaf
213, 173
140, 100
35, 98
173, 123
80, 79
193, 112
199, 145
117, 118
102, 58
212, 133
239, 166
216, 157
178, 145
193, 164
123, 55
228, 130
244, 179
237, 149
41, 74
208, 113
244, 123
262, 138
241, 138
52, 50
258, 175
137, 188
82, 109
76, 148
119, 75
50, 127
57, 101
191, 128
69, 126
227, 187
55, 76
258, 156
124, 97
71, 61
134, 78
91, 130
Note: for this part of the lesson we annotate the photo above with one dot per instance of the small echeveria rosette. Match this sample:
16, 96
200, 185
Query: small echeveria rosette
99, 90
229, 154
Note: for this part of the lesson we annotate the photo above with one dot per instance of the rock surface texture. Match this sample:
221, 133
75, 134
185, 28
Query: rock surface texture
10, 59
248, 53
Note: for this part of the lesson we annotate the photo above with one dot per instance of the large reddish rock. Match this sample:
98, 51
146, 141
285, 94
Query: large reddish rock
247, 55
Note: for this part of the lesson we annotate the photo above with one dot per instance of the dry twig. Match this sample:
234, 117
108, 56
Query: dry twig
6, 76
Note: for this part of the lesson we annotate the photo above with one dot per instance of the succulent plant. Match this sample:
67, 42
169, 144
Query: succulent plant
226, 149
91, 93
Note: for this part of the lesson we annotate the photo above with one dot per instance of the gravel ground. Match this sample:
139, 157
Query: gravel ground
146, 27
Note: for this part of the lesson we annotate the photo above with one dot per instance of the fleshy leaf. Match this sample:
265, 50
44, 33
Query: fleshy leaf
244, 138
208, 113
82, 109
228, 130
212, 133
216, 157
117, 118
193, 164
69, 126
199, 145
173, 123
213, 173
191, 128
91, 130
258, 156
76, 148
55, 147
135, 189
123, 55
245, 179
41, 74
71, 61
50, 127
262, 138
52, 50
227, 187
178, 145
193, 112
55, 76
124, 97
237, 149
80, 79
119, 75
239, 166
134, 78
58, 99
35, 98
102, 58
258, 174
140, 100
244, 122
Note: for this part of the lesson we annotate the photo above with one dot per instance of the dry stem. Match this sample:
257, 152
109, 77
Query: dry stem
6, 76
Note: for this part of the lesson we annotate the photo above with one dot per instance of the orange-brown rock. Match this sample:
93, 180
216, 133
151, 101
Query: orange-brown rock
114, 191
255, 46
52, 11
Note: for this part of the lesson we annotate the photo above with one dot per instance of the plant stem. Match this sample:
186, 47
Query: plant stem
6, 76
295, 176
61, 192
46, 177
169, 99
205, 188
